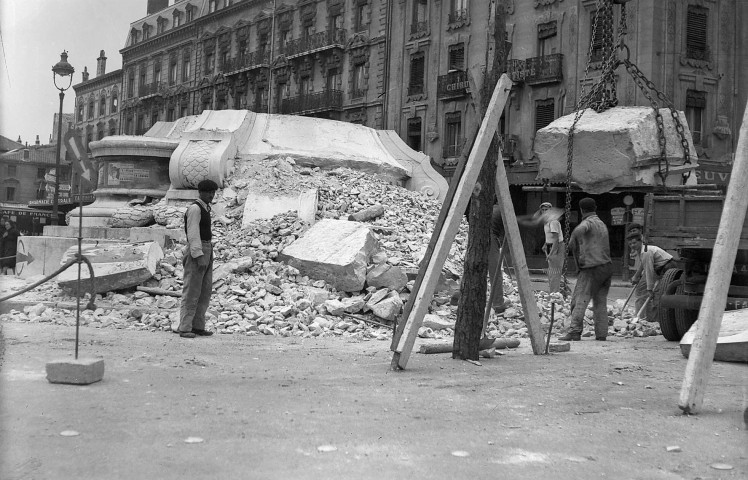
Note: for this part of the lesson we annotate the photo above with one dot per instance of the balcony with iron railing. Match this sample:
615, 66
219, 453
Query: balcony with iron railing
453, 84
537, 70
454, 148
247, 61
313, 102
314, 43
149, 89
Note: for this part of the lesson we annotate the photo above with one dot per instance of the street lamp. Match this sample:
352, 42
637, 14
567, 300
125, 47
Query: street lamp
62, 69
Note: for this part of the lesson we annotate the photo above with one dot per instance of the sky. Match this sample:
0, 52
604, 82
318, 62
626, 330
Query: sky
33, 34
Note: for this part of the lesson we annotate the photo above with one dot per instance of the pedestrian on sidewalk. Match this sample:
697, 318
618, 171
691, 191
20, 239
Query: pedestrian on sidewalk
554, 247
198, 263
8, 248
590, 245
653, 263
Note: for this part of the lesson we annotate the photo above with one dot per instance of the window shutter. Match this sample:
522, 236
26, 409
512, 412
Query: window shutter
696, 28
545, 113
417, 70
457, 57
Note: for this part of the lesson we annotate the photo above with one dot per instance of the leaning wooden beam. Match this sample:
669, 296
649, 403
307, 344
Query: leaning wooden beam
517, 251
718, 281
410, 325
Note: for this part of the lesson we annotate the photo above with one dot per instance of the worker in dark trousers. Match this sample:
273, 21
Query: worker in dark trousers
590, 245
653, 263
198, 264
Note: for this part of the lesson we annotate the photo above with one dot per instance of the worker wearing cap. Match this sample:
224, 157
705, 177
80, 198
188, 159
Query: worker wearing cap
553, 247
654, 262
198, 263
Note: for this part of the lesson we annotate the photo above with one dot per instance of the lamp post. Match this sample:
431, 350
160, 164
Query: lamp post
62, 69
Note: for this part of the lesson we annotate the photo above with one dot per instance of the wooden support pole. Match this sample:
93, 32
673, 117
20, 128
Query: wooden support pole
718, 281
422, 296
517, 252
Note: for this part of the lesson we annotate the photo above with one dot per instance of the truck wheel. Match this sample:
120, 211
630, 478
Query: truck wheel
684, 318
666, 316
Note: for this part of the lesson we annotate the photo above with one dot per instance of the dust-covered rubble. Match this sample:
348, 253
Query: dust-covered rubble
256, 294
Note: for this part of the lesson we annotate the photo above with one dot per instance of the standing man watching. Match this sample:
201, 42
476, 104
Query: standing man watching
198, 263
553, 247
590, 246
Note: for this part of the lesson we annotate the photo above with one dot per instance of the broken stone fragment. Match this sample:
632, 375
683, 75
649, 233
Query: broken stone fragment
385, 275
388, 308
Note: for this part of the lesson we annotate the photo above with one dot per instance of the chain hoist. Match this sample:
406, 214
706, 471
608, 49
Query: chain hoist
603, 95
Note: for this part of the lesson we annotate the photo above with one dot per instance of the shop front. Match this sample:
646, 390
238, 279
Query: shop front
29, 221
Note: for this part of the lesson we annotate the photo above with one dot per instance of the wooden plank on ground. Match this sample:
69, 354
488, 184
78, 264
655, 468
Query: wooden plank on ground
718, 281
422, 296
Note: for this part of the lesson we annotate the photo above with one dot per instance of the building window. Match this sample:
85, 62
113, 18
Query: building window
336, 22
285, 37
115, 103
141, 82
102, 105
334, 79
89, 139
172, 72
10, 194
170, 114
696, 33
140, 127
457, 57
189, 12
545, 113
133, 36
112, 131
420, 16
157, 71
26, 154
359, 16
183, 111
154, 118
128, 126
359, 81
100, 135
414, 133
695, 107
186, 67
146, 31
212, 6
417, 71
40, 173
130, 84
458, 11
209, 63
177, 20
80, 111
12, 170
224, 60
452, 135
90, 109
546, 34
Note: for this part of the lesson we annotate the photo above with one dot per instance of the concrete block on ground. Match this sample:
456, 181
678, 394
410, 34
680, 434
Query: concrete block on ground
116, 266
558, 347
80, 371
262, 206
618, 147
42, 255
336, 251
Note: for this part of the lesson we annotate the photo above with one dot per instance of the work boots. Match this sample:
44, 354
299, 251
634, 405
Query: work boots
571, 337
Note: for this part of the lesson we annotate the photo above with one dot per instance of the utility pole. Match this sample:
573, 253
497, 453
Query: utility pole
472, 304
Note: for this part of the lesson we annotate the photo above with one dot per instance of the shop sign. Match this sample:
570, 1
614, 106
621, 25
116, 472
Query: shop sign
718, 174
637, 215
617, 215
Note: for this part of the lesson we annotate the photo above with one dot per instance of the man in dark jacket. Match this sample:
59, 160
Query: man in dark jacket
590, 246
198, 264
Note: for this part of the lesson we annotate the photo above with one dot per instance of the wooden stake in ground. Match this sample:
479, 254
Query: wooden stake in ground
422, 296
718, 281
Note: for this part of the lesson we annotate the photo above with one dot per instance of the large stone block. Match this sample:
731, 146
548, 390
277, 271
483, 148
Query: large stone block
116, 266
80, 371
336, 251
615, 148
41, 255
260, 205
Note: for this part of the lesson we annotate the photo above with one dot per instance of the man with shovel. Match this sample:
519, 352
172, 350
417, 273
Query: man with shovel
654, 262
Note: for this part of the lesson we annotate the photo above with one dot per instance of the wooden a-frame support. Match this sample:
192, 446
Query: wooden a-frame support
446, 229
718, 281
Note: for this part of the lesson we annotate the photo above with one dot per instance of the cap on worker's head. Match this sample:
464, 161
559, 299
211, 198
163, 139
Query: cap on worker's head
588, 204
546, 205
634, 236
207, 186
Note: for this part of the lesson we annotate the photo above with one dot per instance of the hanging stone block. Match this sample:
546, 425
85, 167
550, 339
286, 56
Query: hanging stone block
616, 148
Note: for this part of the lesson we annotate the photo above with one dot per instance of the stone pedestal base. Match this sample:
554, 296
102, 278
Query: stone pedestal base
83, 371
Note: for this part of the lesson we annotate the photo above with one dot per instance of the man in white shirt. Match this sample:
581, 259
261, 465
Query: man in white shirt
553, 247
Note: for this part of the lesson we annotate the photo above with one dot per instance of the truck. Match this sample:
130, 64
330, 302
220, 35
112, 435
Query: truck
685, 223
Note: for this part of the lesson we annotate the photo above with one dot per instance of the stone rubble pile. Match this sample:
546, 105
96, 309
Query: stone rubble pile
256, 294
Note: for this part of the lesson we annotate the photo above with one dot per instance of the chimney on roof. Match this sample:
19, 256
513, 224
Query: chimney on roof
156, 5
85, 74
19, 139
101, 64
37, 141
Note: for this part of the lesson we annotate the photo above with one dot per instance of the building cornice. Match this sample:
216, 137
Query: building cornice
95, 82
